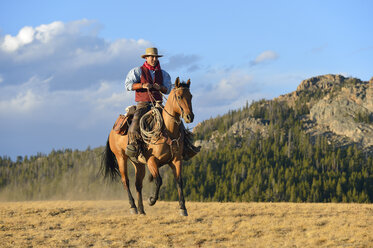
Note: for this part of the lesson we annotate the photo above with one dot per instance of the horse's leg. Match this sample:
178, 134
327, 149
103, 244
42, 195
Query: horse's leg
140, 174
122, 164
153, 168
176, 169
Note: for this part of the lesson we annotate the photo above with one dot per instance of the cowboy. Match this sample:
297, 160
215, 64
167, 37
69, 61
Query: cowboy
148, 81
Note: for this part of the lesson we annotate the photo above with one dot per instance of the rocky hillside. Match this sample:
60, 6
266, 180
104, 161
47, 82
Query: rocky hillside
332, 106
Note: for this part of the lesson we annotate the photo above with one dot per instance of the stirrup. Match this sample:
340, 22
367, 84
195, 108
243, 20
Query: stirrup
132, 150
190, 152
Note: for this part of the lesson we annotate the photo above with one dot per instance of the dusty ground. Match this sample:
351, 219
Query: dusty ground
109, 224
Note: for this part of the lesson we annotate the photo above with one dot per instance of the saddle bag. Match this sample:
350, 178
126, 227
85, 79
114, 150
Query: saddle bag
121, 124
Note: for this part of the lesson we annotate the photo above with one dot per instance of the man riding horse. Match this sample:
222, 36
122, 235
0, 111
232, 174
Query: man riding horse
148, 81
170, 145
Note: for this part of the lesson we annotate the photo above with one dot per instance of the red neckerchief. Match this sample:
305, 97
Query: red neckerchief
153, 68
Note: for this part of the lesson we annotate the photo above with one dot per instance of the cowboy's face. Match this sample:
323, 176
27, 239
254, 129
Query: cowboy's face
152, 60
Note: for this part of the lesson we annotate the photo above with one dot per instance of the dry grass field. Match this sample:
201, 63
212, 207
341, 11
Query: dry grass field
109, 224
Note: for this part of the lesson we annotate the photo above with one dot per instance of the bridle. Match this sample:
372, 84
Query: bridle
178, 104
176, 120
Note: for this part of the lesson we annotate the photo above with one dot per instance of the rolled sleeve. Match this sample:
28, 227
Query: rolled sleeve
133, 76
167, 81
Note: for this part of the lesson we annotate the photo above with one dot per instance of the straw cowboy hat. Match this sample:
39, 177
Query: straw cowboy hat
152, 51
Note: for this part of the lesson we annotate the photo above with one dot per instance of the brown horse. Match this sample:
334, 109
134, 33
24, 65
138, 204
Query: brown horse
166, 150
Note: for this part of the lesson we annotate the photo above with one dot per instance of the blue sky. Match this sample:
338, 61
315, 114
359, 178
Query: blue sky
63, 63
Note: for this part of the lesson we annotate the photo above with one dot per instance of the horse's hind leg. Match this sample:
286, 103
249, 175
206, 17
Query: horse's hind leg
122, 164
140, 174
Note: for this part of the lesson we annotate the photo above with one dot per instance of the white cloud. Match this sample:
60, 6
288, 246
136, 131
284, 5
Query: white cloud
21, 103
105, 54
1, 79
11, 43
23, 99
33, 101
264, 57
72, 53
221, 90
43, 33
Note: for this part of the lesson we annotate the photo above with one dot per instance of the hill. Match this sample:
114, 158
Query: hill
338, 108
311, 145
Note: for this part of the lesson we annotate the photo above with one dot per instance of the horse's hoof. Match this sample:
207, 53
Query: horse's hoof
183, 212
151, 201
141, 210
133, 210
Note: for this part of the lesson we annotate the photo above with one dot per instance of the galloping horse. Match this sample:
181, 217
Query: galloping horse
166, 150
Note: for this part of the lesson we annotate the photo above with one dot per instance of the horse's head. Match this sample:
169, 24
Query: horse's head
183, 99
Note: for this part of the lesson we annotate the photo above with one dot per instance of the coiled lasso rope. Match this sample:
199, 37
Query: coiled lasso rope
156, 117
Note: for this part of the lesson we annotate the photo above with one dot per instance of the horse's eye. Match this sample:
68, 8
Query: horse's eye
179, 97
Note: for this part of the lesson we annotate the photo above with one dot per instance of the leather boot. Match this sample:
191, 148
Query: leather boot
190, 150
132, 149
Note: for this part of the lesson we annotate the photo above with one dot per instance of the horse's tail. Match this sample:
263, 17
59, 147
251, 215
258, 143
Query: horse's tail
109, 165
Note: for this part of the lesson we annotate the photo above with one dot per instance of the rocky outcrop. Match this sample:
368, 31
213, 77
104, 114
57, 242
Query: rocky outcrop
336, 106
342, 114
246, 127
325, 83
313, 89
340, 109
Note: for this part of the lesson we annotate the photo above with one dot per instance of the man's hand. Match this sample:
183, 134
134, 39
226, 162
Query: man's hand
157, 86
152, 86
147, 86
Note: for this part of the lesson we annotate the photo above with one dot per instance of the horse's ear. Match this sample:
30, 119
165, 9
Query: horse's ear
188, 83
177, 82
